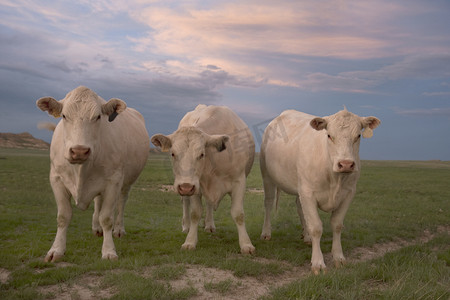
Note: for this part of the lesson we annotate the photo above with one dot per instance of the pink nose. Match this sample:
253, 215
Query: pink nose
186, 189
79, 154
346, 166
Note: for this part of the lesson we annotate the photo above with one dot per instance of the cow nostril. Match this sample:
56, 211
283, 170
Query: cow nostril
79, 153
186, 189
346, 165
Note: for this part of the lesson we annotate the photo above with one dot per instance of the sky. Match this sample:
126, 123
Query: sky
384, 58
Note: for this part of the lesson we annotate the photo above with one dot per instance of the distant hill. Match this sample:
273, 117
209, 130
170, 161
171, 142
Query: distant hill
21, 140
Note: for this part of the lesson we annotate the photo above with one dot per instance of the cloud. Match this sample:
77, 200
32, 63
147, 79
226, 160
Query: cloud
431, 112
431, 66
255, 39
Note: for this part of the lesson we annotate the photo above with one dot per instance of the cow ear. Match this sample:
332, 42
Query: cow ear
368, 124
162, 141
217, 141
318, 123
50, 105
113, 107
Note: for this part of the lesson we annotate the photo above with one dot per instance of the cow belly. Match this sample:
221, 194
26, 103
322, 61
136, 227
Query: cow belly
282, 175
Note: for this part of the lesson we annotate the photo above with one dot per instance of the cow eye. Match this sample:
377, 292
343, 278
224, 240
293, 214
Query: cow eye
64, 117
330, 138
173, 155
201, 156
99, 117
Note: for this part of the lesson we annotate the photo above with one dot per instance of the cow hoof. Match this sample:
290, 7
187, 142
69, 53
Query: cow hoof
53, 256
316, 270
248, 249
339, 262
119, 233
110, 256
188, 246
266, 237
210, 229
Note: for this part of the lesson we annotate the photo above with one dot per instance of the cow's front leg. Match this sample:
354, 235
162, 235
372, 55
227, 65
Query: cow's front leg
62, 198
337, 225
195, 214
186, 221
209, 219
237, 213
106, 218
96, 228
314, 226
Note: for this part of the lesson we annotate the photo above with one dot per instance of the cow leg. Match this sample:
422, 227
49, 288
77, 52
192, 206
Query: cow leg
237, 213
306, 237
62, 197
314, 226
119, 227
96, 228
106, 217
186, 221
209, 219
337, 225
270, 191
195, 214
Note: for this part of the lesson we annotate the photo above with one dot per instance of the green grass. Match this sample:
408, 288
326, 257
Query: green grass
394, 200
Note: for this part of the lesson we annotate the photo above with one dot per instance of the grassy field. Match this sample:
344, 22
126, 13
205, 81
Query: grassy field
396, 240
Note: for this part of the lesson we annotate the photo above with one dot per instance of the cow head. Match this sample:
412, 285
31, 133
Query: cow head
343, 134
83, 114
189, 148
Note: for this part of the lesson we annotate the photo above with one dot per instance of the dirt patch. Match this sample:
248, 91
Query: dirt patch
255, 191
166, 188
88, 287
4, 275
378, 250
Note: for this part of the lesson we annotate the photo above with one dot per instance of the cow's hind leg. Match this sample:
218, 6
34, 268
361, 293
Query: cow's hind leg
195, 214
237, 213
96, 228
270, 192
306, 237
119, 227
62, 197
209, 219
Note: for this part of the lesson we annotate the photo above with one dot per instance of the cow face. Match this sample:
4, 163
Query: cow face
83, 115
189, 148
343, 133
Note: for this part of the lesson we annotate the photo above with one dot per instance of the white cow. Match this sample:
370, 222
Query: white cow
316, 159
212, 154
97, 151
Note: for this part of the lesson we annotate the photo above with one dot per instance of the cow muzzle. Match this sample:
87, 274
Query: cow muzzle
79, 154
186, 189
346, 166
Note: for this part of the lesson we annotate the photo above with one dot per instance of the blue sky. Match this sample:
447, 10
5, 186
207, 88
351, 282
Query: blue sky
389, 59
